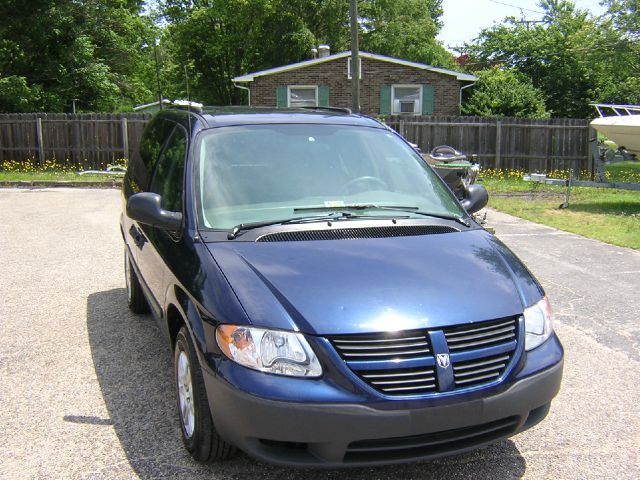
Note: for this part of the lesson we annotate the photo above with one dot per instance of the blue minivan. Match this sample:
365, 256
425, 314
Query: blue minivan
327, 299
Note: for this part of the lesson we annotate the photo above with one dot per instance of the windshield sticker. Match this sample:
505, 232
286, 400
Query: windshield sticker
333, 203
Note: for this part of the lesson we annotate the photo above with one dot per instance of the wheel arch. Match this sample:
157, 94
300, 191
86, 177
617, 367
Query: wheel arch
181, 311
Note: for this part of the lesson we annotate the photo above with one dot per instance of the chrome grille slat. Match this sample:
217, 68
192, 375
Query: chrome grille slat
406, 389
385, 340
402, 382
395, 374
462, 331
391, 354
476, 379
478, 343
481, 370
383, 347
481, 363
488, 333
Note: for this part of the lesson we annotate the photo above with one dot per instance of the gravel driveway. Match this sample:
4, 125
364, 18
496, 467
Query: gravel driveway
86, 389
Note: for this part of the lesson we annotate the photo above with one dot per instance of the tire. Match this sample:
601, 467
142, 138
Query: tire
198, 433
135, 297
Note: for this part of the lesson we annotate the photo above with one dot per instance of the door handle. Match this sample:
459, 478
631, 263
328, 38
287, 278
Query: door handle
138, 236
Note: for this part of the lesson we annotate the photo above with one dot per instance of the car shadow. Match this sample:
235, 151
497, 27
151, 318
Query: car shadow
133, 365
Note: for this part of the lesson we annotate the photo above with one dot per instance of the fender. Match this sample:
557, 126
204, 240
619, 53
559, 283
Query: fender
202, 331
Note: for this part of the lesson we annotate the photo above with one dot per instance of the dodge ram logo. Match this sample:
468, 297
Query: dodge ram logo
443, 360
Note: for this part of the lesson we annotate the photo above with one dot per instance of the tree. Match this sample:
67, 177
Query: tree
626, 15
405, 29
572, 58
58, 51
219, 40
507, 93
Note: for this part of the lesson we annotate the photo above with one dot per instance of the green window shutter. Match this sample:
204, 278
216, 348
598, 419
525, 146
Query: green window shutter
385, 99
428, 98
323, 96
281, 97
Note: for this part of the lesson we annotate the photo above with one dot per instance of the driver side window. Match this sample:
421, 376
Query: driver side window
168, 178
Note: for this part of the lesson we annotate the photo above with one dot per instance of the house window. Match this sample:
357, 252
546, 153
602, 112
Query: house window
349, 67
302, 96
406, 99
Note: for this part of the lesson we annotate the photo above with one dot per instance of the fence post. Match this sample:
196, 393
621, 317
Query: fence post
401, 127
498, 142
125, 138
599, 171
40, 141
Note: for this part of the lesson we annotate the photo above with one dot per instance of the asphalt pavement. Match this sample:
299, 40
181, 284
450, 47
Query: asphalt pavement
86, 387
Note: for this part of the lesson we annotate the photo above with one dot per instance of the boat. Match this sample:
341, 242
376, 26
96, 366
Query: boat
621, 125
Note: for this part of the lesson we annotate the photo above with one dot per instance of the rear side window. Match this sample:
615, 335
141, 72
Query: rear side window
169, 174
151, 143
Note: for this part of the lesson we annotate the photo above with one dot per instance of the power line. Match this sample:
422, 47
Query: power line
542, 56
516, 6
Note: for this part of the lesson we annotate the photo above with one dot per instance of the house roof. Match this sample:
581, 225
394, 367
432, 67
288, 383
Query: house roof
249, 77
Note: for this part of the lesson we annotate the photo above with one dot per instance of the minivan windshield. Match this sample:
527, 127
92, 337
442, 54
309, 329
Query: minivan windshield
260, 173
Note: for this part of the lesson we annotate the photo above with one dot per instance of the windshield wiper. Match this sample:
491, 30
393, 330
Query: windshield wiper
396, 208
288, 221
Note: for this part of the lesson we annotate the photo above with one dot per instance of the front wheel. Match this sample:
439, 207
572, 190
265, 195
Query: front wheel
198, 433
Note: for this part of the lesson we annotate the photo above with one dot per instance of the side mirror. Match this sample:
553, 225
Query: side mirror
476, 198
146, 208
416, 147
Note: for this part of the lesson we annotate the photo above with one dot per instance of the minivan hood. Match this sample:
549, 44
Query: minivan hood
374, 285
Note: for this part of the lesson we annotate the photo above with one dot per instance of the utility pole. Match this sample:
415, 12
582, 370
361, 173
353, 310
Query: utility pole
355, 57
524, 21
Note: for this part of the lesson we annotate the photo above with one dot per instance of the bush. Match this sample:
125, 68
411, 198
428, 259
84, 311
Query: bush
506, 93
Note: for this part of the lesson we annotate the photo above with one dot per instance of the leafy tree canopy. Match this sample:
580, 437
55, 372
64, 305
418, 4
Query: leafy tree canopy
573, 58
55, 51
220, 39
405, 29
507, 93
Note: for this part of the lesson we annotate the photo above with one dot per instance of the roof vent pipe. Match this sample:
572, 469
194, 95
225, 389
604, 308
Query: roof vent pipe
314, 53
324, 51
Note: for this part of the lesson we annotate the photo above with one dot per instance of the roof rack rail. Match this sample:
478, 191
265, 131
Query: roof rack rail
344, 110
187, 105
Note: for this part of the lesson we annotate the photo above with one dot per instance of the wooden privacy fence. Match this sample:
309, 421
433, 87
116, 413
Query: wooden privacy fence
505, 143
89, 140
95, 140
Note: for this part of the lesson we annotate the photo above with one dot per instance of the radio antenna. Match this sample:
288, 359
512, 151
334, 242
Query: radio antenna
186, 80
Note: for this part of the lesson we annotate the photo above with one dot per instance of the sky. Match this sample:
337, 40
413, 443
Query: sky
463, 19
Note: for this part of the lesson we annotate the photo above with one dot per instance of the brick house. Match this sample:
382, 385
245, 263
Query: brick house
389, 86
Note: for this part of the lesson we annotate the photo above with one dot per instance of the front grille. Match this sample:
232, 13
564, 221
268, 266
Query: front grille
408, 381
478, 371
429, 444
382, 346
478, 335
479, 353
356, 233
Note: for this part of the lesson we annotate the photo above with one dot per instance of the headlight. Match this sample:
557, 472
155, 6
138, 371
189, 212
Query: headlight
272, 351
538, 323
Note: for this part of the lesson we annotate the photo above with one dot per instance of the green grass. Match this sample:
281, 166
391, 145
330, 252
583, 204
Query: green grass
605, 214
624, 172
54, 177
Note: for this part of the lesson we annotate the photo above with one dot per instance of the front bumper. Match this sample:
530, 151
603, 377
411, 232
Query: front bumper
351, 434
